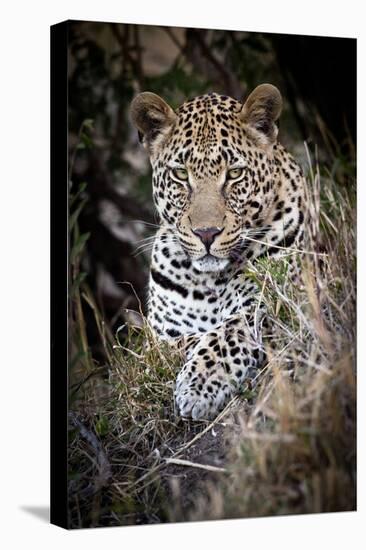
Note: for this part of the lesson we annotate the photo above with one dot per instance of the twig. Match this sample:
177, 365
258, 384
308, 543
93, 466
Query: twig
181, 462
222, 72
288, 249
103, 464
174, 39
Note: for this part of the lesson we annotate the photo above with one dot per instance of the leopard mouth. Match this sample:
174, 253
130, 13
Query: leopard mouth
209, 263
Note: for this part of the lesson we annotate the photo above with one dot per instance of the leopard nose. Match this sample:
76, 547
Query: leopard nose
207, 235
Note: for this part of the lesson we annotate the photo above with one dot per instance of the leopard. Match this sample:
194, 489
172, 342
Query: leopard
226, 193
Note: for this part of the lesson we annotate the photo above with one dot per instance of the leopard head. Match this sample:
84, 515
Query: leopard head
213, 168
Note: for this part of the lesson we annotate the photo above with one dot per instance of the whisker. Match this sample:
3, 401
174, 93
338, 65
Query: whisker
145, 223
149, 243
145, 239
152, 237
147, 247
135, 254
288, 249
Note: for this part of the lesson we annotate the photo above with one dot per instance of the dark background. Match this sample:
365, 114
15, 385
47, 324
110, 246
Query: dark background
111, 209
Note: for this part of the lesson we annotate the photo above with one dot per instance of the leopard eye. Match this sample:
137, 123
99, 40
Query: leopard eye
180, 174
235, 173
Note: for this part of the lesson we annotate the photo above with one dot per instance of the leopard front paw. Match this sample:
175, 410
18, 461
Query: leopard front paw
201, 394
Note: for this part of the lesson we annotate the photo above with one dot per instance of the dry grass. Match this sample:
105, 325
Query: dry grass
285, 445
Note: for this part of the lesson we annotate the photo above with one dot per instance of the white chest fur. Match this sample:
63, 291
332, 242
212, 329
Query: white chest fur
183, 300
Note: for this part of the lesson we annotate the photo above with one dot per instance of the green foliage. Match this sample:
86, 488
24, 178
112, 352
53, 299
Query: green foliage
102, 426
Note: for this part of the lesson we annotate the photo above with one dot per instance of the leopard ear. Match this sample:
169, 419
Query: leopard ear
152, 117
261, 109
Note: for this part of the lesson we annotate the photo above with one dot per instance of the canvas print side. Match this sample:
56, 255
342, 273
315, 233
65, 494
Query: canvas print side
59, 275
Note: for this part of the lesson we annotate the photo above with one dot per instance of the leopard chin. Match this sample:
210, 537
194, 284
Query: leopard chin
210, 264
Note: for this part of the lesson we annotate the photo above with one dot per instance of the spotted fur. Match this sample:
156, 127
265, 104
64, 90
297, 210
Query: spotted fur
226, 193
